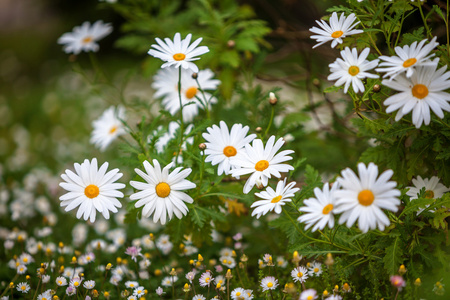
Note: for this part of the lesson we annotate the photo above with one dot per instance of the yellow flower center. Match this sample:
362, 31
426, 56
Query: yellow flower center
409, 62
179, 56
91, 191
316, 270
270, 284
87, 40
310, 298
59, 282
131, 285
76, 283
25, 259
238, 294
326, 210
429, 194
139, 291
353, 70
43, 298
207, 279
261, 165
299, 274
113, 129
23, 287
162, 190
337, 34
366, 197
420, 91
191, 92
276, 199
229, 151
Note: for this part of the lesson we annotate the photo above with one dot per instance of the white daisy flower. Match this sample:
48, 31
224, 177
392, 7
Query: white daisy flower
164, 244
206, 279
199, 297
139, 291
165, 83
108, 127
363, 198
179, 52
334, 297
274, 200
23, 287
309, 294
338, 29
262, 162
61, 281
238, 294
222, 144
169, 280
425, 89
159, 291
84, 37
131, 284
45, 295
89, 284
319, 211
249, 294
433, 188
91, 189
161, 194
315, 269
299, 274
21, 269
352, 69
409, 57
269, 283
169, 135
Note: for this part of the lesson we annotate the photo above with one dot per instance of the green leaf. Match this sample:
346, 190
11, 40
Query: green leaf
393, 257
333, 89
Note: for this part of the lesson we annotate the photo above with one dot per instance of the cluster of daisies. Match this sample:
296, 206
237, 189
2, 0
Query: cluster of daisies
412, 72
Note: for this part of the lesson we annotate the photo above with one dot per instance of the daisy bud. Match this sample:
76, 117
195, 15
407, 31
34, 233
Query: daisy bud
316, 82
181, 246
213, 262
418, 282
202, 146
173, 272
241, 265
61, 269
74, 260
244, 258
194, 75
402, 270
272, 99
231, 44
228, 275
200, 257
329, 261
20, 238
27, 277
218, 286
125, 293
376, 88
259, 184
95, 293
108, 266
325, 293
119, 260
191, 262
61, 245
55, 297
258, 129
346, 288
336, 288
186, 288
11, 285
152, 237
158, 272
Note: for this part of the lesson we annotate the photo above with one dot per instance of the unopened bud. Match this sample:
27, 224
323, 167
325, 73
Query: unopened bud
376, 88
200, 257
231, 44
194, 75
272, 99
61, 245
119, 260
108, 266
316, 82
244, 258
173, 272
402, 270
329, 261
418, 282
186, 288
202, 146
228, 275
152, 237
258, 129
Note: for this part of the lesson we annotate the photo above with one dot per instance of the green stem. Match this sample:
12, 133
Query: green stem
424, 20
204, 98
181, 115
270, 121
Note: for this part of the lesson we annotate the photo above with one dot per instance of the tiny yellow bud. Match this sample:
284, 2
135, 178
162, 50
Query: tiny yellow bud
119, 260
108, 266
106, 294
325, 293
125, 261
173, 272
228, 275
61, 269
158, 272
218, 286
95, 293
20, 238
198, 264
152, 237
402, 270
191, 262
55, 297
145, 292
181, 246
418, 282
11, 285
74, 260
61, 245
42, 270
200, 257
233, 253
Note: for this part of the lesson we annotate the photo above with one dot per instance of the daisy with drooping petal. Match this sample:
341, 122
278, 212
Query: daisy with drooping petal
165, 83
433, 188
108, 127
319, 211
206, 279
269, 283
352, 69
409, 58
299, 274
222, 145
364, 198
161, 193
262, 162
84, 37
315, 269
273, 200
178, 53
425, 89
309, 294
338, 29
91, 188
